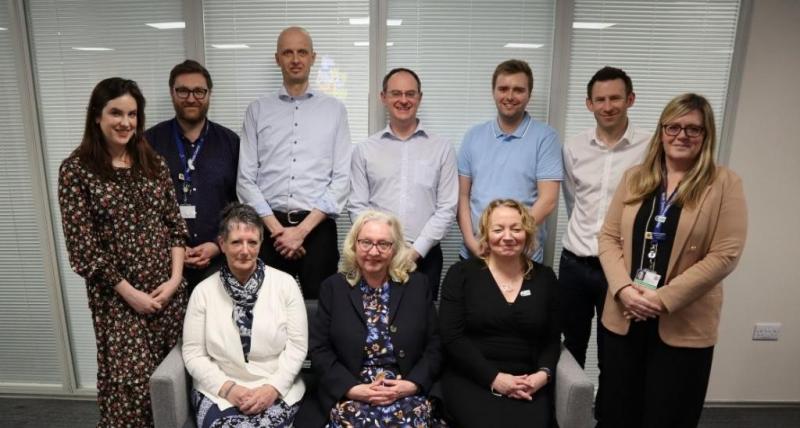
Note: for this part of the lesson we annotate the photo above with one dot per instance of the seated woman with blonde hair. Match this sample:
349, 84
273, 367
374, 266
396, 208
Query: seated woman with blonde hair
374, 341
499, 327
245, 335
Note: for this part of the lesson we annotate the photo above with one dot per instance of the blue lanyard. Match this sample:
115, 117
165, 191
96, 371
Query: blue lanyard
188, 166
664, 203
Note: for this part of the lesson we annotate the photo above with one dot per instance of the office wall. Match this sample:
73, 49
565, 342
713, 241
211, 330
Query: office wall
766, 153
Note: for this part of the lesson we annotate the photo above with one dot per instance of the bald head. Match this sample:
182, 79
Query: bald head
293, 32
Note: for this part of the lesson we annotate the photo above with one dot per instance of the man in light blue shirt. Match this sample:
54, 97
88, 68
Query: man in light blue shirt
512, 156
408, 171
294, 166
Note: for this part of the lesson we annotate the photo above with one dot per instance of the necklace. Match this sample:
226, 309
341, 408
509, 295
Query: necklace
507, 288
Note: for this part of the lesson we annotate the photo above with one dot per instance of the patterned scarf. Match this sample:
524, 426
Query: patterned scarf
244, 297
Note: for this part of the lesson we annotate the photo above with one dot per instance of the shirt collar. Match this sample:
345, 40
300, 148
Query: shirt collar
518, 133
388, 133
627, 137
284, 95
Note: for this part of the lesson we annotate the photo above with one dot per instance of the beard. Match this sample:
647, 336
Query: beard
191, 118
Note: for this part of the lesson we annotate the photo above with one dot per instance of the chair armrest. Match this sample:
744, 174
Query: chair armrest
169, 392
574, 394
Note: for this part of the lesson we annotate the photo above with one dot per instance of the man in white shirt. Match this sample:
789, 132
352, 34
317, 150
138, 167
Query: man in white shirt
594, 162
408, 171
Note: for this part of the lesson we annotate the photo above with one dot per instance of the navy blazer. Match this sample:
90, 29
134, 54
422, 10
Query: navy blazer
338, 333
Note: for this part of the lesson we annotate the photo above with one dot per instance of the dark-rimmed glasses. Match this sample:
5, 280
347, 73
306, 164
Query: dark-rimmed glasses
673, 130
366, 245
183, 92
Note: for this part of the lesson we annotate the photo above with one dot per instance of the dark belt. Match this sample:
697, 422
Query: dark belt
591, 261
292, 217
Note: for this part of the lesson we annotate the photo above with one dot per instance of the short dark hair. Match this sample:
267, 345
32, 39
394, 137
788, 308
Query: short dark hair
237, 212
609, 73
187, 67
398, 70
514, 66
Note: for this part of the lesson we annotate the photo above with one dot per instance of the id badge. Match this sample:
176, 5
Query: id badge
188, 211
647, 278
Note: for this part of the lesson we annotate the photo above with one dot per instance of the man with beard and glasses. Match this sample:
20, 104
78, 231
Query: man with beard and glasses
202, 157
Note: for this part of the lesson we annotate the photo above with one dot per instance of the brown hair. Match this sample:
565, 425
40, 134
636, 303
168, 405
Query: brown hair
514, 66
93, 152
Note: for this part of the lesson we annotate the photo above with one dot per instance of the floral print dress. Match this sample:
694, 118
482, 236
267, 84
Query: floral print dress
379, 361
116, 228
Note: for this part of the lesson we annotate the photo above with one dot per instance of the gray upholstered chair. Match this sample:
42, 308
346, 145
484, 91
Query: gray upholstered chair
170, 385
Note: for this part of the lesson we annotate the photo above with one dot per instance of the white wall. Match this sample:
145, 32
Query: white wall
765, 152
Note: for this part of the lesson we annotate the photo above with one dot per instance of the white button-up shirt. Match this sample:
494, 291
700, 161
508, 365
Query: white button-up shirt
415, 179
592, 172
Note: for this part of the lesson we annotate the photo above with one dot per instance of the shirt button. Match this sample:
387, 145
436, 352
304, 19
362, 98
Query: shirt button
296, 108
401, 353
195, 235
294, 160
291, 195
292, 177
295, 142
295, 124
194, 189
393, 328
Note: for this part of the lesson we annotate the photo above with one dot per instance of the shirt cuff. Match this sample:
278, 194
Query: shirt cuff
263, 209
423, 245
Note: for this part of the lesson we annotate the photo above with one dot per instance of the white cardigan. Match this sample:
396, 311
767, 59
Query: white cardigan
212, 349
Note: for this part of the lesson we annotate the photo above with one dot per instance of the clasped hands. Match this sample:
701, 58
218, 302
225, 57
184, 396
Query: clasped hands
640, 303
289, 242
252, 401
382, 392
521, 387
148, 303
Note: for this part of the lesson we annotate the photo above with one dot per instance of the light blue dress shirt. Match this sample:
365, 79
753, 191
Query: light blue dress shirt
295, 154
414, 179
502, 165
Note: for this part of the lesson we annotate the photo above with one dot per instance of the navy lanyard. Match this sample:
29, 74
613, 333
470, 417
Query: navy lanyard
188, 165
664, 203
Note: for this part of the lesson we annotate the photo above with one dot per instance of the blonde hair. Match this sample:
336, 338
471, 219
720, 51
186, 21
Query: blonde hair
401, 263
648, 177
528, 225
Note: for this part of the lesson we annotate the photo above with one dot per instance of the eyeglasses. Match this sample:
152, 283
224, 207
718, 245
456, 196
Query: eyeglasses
366, 245
673, 130
183, 92
399, 94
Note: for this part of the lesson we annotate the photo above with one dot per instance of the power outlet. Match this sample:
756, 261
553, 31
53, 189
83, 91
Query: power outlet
766, 331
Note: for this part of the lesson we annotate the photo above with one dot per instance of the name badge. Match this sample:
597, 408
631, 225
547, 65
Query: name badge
188, 211
647, 278
525, 293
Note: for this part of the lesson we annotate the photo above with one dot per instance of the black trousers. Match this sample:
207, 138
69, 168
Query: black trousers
320, 261
195, 276
583, 289
655, 385
431, 267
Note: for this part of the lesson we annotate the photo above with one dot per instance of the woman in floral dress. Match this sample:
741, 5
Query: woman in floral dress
125, 236
374, 342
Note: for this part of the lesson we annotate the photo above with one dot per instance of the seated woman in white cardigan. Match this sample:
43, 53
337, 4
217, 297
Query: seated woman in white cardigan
245, 335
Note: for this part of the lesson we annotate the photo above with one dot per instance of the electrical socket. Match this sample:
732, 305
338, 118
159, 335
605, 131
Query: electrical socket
766, 331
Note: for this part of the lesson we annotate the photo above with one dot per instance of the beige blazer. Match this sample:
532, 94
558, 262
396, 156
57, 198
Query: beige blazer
212, 350
707, 246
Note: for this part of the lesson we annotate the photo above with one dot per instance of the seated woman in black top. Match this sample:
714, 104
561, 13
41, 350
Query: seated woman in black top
374, 340
498, 324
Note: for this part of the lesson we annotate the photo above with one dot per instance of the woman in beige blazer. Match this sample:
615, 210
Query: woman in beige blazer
245, 335
675, 228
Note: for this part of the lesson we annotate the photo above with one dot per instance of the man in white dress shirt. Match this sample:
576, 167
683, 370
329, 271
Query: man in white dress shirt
594, 162
409, 172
